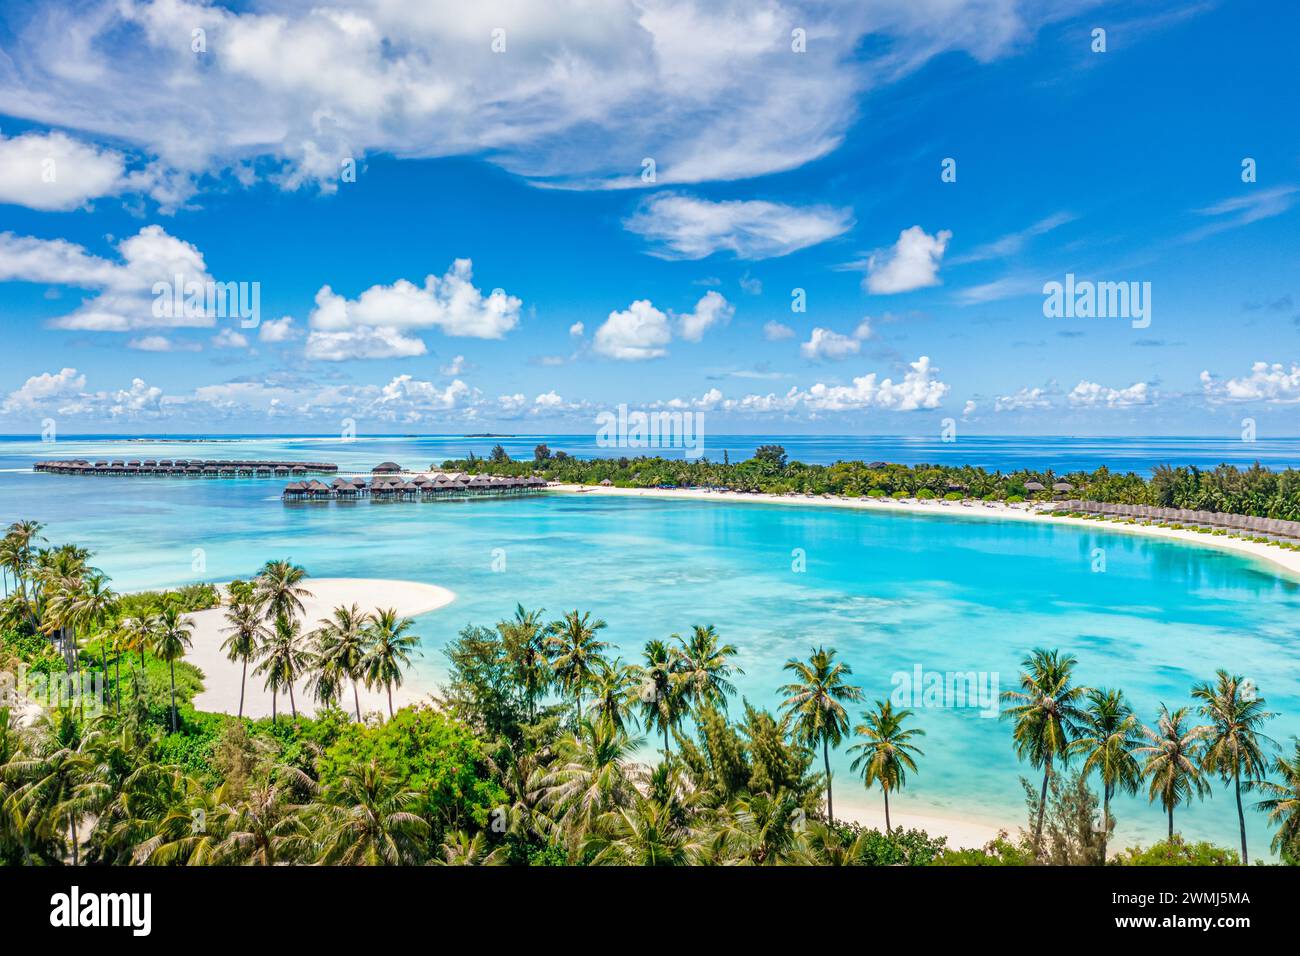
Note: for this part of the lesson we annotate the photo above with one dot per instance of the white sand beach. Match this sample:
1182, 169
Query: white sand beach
221, 678
1280, 560
961, 833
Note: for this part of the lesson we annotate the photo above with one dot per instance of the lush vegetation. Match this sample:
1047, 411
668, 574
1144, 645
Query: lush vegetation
533, 753
1254, 491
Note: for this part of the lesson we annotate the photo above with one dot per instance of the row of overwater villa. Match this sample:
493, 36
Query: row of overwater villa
386, 482
187, 467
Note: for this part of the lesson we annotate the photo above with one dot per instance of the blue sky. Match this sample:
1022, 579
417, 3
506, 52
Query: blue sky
501, 262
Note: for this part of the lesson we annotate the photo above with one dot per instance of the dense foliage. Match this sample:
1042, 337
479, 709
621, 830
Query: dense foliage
1250, 491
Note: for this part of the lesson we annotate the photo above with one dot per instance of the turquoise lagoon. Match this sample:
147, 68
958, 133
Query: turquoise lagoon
890, 591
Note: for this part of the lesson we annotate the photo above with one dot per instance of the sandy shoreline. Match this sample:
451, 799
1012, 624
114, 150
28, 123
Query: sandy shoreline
221, 678
1279, 560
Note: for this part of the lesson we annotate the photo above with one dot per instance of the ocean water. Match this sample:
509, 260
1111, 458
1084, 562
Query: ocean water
999, 452
891, 592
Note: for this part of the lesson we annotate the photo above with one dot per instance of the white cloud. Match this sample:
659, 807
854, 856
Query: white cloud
276, 330
1091, 395
638, 332
711, 91
450, 303
577, 330
775, 331
1026, 398
53, 171
413, 395
228, 338
912, 262
711, 310
685, 227
124, 299
455, 367
548, 400
969, 409
918, 389
1254, 205
1273, 383
44, 388
825, 345
363, 342
161, 343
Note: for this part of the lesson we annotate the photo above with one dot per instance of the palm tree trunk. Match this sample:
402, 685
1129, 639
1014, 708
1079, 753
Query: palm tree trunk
826, 758
1241, 817
142, 657
389, 685
243, 679
1105, 819
72, 831
171, 666
293, 706
356, 700
1042, 806
888, 828
103, 661
117, 682
274, 691
1171, 821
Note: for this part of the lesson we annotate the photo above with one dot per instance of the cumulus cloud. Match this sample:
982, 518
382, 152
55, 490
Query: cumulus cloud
376, 323
53, 171
825, 345
125, 298
774, 331
633, 334
1026, 398
685, 227
41, 389
577, 330
911, 263
919, 388
363, 342
278, 330
1092, 395
161, 343
1274, 383
711, 310
230, 339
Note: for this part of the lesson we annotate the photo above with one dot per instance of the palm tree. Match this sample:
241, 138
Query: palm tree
1046, 713
283, 660
265, 828
18, 556
370, 820
815, 700
171, 642
1233, 741
525, 640
1173, 763
591, 776
1109, 734
662, 703
575, 653
278, 590
1283, 805
341, 641
247, 633
92, 602
885, 754
460, 849
140, 633
49, 804
390, 651
703, 667
613, 690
